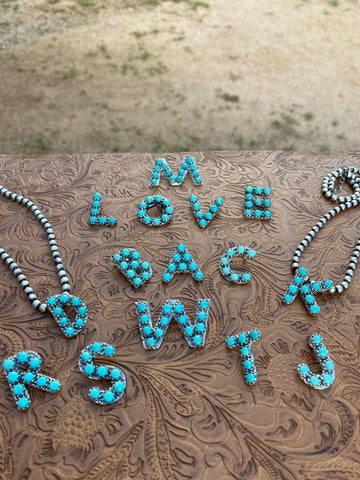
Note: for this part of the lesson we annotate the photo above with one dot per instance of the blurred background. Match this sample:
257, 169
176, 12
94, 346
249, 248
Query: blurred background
186, 75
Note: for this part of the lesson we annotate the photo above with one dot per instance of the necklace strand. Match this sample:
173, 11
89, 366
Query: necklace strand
329, 189
42, 307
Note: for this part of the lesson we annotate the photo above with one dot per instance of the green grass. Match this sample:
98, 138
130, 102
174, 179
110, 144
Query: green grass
308, 116
228, 97
42, 142
324, 148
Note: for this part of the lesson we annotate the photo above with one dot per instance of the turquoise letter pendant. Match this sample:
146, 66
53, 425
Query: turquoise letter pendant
129, 262
225, 269
95, 217
55, 306
182, 262
303, 285
152, 336
19, 380
327, 377
244, 341
102, 372
161, 167
202, 219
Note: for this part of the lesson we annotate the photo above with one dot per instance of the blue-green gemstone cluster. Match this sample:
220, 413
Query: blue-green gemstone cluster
20, 380
130, 264
95, 217
56, 304
257, 203
182, 262
161, 167
202, 219
326, 378
225, 268
243, 341
102, 372
194, 333
149, 202
301, 284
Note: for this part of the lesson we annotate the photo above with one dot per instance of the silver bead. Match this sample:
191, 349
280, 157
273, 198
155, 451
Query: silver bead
43, 308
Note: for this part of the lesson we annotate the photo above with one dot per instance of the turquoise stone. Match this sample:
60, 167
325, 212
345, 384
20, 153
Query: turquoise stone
23, 402
202, 223
22, 357
302, 271
230, 252
240, 249
164, 321
249, 189
193, 198
54, 386
116, 257
89, 369
58, 311
178, 308
242, 338
257, 213
119, 387
28, 377
156, 221
328, 379
258, 190
51, 301
150, 341
144, 318
8, 364
18, 389
203, 304
250, 378
109, 351
159, 332
322, 352
314, 381
304, 289
166, 277
187, 257
201, 316
315, 286
213, 208
247, 364
146, 330
198, 276
79, 322
208, 216
248, 213
115, 373
176, 257
297, 280
134, 264
141, 307
245, 351
287, 298
108, 397
167, 308
96, 196
328, 365
41, 381
314, 309
75, 302
267, 203
292, 289
64, 298
92, 220
309, 299
267, 191
69, 331
327, 283
137, 282
226, 270
188, 331
94, 393
85, 356
234, 277
230, 342
182, 267
200, 327
182, 319
251, 253
197, 340
130, 273
192, 267
102, 220
303, 369
171, 267
316, 339
254, 334
96, 347
35, 362
145, 265
101, 371
12, 376
267, 214
248, 196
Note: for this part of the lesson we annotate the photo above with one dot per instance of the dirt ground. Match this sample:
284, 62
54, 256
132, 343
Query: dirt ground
157, 76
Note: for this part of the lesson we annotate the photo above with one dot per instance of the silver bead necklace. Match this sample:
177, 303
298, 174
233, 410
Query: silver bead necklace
54, 304
301, 283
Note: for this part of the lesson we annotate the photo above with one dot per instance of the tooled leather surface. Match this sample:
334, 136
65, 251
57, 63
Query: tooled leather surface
187, 413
